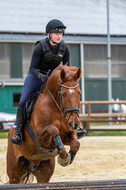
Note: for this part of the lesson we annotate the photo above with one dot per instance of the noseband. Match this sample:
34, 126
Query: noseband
61, 107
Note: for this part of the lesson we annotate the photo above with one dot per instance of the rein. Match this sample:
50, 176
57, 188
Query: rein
62, 109
54, 100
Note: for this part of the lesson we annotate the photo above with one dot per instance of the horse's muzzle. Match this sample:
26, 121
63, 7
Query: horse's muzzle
74, 125
73, 118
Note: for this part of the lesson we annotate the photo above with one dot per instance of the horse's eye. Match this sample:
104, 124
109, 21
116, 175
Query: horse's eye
64, 94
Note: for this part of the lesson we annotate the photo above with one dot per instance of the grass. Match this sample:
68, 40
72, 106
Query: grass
3, 135
106, 133
105, 123
90, 133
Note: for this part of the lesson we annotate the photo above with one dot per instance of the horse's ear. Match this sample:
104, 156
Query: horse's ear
78, 74
62, 74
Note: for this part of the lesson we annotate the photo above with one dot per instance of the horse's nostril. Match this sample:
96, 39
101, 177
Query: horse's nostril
71, 124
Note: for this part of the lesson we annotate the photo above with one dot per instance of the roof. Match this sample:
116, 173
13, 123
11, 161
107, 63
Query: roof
80, 16
90, 39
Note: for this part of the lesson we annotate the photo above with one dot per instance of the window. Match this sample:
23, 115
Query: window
95, 61
4, 60
16, 98
119, 61
27, 50
16, 60
74, 54
95, 57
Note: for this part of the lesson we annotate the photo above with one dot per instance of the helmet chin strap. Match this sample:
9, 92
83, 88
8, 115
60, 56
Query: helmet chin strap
55, 43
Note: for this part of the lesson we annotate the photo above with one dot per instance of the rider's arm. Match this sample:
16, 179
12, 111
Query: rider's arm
66, 58
36, 60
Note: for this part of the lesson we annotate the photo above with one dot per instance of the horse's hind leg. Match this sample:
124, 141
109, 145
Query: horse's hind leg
18, 171
44, 171
15, 167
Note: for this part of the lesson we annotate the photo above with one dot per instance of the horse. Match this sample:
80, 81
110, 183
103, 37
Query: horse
116, 108
54, 122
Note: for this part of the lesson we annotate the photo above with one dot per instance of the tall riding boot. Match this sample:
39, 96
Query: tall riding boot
19, 122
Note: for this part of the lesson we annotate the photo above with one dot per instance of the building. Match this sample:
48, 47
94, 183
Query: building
23, 22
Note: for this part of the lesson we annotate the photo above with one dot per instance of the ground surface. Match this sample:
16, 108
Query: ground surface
98, 158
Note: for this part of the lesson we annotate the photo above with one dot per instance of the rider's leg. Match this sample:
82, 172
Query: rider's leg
19, 123
30, 85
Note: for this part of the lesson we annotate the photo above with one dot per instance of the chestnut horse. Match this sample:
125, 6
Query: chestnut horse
54, 121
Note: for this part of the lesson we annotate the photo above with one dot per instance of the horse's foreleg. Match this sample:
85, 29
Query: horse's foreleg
74, 145
60, 146
54, 132
63, 158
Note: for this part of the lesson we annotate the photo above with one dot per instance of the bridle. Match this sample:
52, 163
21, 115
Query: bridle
61, 106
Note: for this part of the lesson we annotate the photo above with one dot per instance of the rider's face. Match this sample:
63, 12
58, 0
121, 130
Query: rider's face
56, 37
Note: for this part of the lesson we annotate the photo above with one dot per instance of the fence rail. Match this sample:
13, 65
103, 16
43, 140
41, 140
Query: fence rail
119, 184
12, 121
89, 117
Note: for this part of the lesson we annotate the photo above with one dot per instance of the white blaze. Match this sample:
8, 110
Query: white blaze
71, 91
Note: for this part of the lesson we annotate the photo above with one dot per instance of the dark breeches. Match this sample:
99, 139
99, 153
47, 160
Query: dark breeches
31, 84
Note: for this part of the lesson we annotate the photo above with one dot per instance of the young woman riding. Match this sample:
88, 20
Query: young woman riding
47, 55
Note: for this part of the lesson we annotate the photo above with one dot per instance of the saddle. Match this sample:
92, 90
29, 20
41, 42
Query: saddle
29, 106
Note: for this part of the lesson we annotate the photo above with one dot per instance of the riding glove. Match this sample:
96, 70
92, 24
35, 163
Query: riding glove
44, 78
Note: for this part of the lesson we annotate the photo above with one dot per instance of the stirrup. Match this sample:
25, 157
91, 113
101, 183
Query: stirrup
81, 134
16, 141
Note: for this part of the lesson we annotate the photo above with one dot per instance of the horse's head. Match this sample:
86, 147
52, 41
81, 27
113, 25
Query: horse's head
64, 87
115, 107
69, 95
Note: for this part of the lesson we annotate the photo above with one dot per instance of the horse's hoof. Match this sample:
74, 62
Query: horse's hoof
64, 162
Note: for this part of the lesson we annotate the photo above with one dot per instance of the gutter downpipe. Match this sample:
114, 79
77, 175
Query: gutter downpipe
82, 77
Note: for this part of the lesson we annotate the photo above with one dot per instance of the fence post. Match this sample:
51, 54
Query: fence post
120, 114
89, 114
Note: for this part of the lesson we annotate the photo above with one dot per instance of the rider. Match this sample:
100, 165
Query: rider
47, 55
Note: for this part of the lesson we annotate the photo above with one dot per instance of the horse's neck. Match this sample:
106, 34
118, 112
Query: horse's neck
52, 94
51, 98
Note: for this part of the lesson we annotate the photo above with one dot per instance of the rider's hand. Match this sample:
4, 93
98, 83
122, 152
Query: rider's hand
44, 78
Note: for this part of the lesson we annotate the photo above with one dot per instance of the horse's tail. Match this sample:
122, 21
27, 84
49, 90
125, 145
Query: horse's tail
27, 178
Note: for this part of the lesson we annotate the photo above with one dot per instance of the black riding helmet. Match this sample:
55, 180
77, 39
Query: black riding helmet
55, 26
